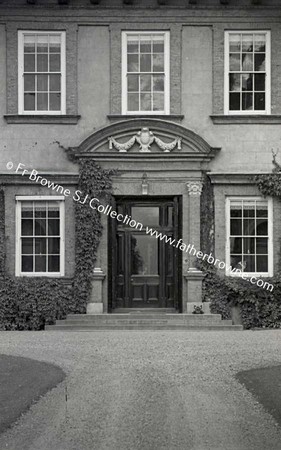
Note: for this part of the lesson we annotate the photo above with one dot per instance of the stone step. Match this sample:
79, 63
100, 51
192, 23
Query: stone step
154, 327
144, 311
173, 319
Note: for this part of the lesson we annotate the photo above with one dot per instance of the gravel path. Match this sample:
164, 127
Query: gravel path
142, 390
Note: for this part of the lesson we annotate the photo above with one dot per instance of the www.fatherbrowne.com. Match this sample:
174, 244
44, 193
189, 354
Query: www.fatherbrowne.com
94, 203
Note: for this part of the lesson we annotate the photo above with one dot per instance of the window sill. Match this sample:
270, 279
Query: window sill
171, 117
271, 119
42, 119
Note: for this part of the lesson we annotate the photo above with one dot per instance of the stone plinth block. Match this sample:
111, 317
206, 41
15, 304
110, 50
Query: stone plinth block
95, 305
194, 279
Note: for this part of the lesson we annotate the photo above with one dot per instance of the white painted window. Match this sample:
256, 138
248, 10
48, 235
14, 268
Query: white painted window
41, 83
249, 235
145, 73
247, 72
39, 236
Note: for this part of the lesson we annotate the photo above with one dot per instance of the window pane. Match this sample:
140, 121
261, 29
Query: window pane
158, 45
29, 83
54, 43
260, 43
29, 102
42, 101
55, 102
247, 62
234, 42
145, 44
54, 63
261, 209
55, 82
40, 209
262, 263
158, 63
133, 44
234, 62
27, 227
42, 83
133, 83
234, 82
247, 82
53, 263
260, 101
145, 63
27, 264
249, 227
260, 62
247, 42
234, 102
145, 102
158, 83
27, 209
42, 43
53, 227
262, 227
53, 209
262, 246
236, 245
40, 246
249, 263
40, 227
158, 102
145, 83
27, 246
236, 210
133, 63
29, 43
247, 101
144, 255
236, 227
133, 102
40, 263
236, 261
147, 215
249, 246
259, 82
42, 62
29, 62
53, 246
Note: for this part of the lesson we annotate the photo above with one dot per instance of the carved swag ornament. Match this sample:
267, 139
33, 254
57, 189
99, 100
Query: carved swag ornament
144, 138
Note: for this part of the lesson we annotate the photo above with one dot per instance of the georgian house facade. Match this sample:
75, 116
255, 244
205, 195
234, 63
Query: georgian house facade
168, 93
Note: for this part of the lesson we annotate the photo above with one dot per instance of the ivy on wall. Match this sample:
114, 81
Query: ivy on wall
207, 214
30, 303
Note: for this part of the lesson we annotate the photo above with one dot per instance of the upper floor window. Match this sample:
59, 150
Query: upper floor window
145, 73
41, 85
249, 235
247, 72
40, 236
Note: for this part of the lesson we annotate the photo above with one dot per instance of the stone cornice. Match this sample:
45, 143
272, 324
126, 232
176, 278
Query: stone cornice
234, 177
17, 179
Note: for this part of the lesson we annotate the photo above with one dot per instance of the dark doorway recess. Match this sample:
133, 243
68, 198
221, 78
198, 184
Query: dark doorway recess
145, 270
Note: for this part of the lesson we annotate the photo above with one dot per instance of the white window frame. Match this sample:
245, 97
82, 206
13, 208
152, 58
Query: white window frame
166, 71
19, 200
267, 110
21, 110
269, 273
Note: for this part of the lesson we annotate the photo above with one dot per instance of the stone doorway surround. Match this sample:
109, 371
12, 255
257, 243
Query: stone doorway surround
153, 157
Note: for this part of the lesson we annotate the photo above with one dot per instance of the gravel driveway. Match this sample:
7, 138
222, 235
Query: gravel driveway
142, 390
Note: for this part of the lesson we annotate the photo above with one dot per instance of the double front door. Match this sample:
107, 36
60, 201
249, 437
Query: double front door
145, 260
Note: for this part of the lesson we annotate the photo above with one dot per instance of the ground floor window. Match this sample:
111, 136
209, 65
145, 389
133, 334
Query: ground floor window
39, 236
249, 235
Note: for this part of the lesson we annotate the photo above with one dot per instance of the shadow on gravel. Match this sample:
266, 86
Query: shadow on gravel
265, 385
22, 382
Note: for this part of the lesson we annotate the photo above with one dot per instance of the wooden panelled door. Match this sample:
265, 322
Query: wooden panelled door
145, 269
